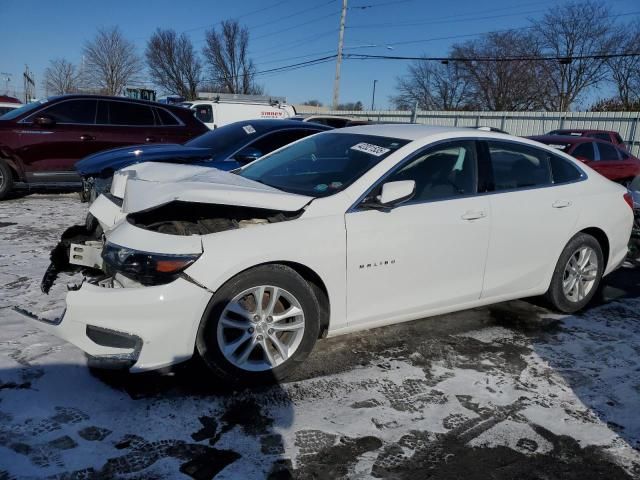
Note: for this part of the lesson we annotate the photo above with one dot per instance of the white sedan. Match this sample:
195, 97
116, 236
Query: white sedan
342, 231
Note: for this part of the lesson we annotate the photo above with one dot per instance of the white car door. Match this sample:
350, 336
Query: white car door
531, 218
427, 253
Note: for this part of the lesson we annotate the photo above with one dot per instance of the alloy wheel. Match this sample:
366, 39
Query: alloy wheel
260, 328
580, 274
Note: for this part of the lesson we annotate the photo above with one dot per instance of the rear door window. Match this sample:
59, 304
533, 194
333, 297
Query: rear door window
585, 150
72, 111
518, 166
132, 114
204, 113
608, 153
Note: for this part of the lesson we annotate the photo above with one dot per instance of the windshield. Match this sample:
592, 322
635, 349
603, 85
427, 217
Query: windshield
322, 165
23, 109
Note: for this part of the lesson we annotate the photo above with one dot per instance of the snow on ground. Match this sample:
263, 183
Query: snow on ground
504, 392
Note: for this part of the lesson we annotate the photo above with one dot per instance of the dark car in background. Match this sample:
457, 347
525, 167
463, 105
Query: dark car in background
606, 135
41, 141
226, 148
613, 162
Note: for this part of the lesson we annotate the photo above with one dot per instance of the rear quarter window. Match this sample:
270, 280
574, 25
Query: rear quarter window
166, 118
563, 171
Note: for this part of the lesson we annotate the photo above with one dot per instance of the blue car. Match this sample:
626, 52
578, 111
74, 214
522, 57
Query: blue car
225, 148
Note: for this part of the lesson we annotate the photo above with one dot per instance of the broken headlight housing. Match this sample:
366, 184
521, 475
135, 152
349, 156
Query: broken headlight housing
145, 267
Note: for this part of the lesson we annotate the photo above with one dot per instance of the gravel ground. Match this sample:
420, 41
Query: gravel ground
511, 391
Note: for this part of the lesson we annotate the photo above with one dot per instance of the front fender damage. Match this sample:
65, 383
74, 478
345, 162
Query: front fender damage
75, 237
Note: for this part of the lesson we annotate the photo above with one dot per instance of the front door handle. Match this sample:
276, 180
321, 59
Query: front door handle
561, 204
87, 138
150, 139
474, 215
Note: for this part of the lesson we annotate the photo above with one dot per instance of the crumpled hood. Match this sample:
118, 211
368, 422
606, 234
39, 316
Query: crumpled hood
152, 184
118, 158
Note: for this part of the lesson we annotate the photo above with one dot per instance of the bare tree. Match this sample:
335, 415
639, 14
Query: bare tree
502, 71
433, 86
61, 77
351, 106
226, 55
173, 63
568, 31
111, 61
625, 71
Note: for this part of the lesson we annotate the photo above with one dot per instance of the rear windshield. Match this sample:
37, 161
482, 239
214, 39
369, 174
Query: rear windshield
226, 137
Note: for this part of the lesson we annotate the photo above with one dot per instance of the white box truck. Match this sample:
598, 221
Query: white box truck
222, 109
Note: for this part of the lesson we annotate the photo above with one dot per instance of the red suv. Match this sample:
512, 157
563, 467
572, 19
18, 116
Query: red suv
606, 135
41, 141
607, 159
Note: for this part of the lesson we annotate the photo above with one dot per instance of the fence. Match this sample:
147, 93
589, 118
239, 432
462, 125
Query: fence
627, 124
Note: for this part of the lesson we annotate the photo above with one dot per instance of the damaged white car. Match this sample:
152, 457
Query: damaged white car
341, 231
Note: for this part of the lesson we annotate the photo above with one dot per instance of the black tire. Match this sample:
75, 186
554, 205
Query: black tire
555, 295
6, 180
275, 275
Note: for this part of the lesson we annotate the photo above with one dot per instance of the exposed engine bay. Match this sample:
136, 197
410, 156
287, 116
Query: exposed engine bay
187, 218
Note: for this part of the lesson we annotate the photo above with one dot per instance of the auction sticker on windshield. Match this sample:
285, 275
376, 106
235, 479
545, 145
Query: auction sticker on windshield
374, 150
249, 129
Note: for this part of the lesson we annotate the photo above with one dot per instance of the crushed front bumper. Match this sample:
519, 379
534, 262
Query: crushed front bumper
137, 328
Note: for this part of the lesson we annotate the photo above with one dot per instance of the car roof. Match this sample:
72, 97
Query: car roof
415, 131
70, 96
582, 130
563, 139
266, 124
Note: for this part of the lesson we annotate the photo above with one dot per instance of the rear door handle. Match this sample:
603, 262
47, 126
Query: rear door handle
150, 139
561, 204
87, 138
474, 215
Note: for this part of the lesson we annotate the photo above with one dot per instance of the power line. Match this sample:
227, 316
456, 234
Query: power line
286, 17
277, 4
467, 35
380, 4
438, 22
545, 58
295, 26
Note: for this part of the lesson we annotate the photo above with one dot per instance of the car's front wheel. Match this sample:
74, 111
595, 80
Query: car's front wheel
577, 274
260, 325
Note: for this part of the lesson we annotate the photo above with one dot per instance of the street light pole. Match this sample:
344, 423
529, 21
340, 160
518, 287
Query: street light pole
373, 96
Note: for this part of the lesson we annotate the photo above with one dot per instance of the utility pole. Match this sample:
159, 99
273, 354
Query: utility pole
373, 96
29, 85
336, 83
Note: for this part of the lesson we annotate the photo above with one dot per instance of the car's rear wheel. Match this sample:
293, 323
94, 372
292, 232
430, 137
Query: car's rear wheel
577, 274
6, 180
260, 325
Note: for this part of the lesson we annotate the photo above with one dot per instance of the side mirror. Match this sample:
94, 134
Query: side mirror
44, 121
247, 155
392, 195
582, 159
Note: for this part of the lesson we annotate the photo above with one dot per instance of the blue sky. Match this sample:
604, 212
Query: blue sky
282, 32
